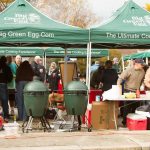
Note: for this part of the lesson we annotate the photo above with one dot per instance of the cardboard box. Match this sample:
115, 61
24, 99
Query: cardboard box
103, 115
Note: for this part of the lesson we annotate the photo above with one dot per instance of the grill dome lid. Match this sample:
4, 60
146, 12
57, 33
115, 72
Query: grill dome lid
76, 86
35, 86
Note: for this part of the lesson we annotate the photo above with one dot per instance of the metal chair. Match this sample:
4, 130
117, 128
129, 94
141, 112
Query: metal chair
56, 101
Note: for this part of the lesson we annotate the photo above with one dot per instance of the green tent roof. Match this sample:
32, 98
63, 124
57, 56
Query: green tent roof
129, 27
137, 55
75, 53
22, 24
23, 51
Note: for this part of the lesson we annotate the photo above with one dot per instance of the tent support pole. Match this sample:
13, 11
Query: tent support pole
44, 63
108, 58
87, 60
89, 65
88, 70
44, 59
147, 60
123, 68
65, 69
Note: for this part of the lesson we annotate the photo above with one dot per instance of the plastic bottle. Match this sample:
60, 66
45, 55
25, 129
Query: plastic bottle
137, 93
15, 119
97, 98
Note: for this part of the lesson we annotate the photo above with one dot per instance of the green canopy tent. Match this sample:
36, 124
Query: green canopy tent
75, 53
23, 25
23, 51
127, 57
129, 27
142, 55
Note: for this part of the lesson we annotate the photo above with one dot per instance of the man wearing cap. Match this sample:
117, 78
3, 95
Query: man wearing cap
132, 78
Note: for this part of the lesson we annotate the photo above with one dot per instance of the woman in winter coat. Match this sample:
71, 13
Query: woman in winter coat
24, 75
53, 77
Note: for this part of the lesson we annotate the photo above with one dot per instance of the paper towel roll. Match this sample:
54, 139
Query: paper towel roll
117, 89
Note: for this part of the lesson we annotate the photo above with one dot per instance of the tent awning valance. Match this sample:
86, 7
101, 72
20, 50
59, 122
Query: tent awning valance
76, 53
22, 25
52, 52
129, 27
23, 51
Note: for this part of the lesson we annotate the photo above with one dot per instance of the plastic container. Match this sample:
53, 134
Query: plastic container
137, 93
136, 122
11, 128
97, 98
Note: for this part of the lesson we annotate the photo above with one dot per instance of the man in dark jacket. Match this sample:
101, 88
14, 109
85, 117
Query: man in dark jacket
37, 68
42, 71
96, 77
5, 77
109, 77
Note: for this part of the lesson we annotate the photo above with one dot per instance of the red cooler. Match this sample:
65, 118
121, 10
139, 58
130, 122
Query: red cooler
136, 122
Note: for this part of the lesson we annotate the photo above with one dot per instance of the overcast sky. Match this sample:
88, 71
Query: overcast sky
105, 8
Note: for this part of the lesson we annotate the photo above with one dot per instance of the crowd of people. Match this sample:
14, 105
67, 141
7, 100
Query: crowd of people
15, 74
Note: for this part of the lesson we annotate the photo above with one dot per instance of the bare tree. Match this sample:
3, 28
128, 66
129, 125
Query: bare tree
73, 12
4, 4
147, 6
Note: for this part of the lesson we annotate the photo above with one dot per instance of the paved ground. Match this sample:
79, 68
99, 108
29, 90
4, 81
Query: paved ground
96, 140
